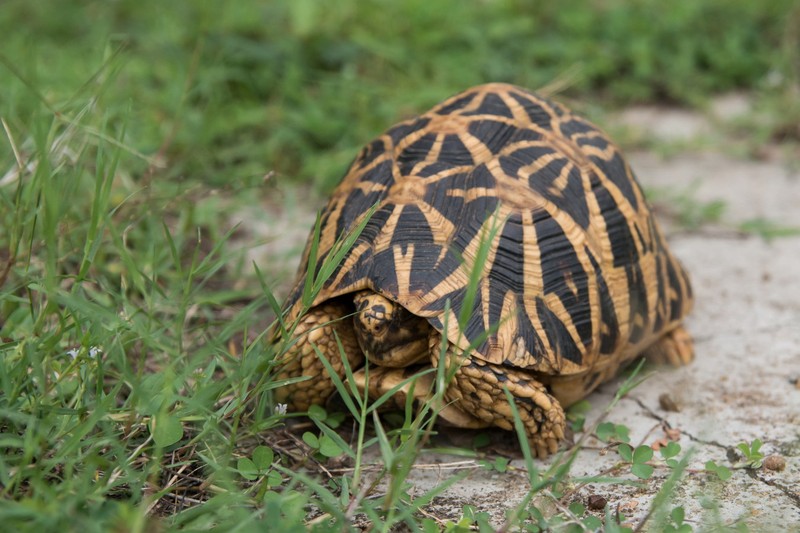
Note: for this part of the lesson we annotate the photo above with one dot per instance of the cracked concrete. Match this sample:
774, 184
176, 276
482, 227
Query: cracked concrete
743, 384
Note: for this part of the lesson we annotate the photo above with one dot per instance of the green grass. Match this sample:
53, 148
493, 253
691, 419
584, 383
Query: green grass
227, 92
135, 379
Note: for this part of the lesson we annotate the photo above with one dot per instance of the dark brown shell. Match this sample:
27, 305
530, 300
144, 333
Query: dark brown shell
577, 272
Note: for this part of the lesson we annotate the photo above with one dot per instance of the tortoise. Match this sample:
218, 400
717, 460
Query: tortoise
532, 206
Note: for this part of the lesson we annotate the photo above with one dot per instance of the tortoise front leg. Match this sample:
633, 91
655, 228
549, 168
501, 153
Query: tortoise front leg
411, 381
317, 328
477, 390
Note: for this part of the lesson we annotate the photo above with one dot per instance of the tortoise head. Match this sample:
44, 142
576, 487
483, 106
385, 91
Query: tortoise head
388, 334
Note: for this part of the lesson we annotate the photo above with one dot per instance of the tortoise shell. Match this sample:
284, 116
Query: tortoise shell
576, 274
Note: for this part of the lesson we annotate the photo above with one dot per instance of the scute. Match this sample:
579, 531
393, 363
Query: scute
577, 273
493, 134
492, 104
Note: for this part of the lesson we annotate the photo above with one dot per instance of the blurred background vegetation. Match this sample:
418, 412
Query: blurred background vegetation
224, 92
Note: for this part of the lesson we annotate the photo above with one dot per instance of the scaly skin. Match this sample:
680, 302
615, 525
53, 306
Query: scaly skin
387, 333
475, 395
477, 389
320, 328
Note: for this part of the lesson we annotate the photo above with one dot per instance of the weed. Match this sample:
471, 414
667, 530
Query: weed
669, 452
610, 432
689, 212
677, 524
638, 458
768, 229
576, 414
721, 471
692, 214
752, 453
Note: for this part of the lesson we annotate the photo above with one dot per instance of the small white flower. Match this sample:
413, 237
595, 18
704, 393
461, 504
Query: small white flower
94, 351
280, 409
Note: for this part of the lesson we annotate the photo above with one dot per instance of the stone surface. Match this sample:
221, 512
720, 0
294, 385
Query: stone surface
666, 124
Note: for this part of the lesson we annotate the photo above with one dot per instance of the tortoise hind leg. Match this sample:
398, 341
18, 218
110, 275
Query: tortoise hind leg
319, 327
675, 347
477, 391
